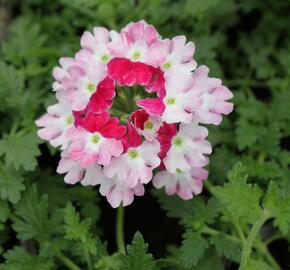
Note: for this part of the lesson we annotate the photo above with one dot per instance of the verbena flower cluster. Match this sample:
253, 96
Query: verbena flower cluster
164, 134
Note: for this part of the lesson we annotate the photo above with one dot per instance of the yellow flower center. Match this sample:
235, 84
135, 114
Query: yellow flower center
148, 125
177, 141
133, 153
69, 120
105, 57
166, 65
91, 87
170, 101
96, 138
136, 55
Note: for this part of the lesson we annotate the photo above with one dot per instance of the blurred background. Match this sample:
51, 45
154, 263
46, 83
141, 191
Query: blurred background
245, 42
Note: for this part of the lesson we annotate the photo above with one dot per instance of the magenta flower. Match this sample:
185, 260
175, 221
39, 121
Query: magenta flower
129, 110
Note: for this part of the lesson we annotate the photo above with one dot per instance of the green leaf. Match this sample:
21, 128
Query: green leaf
227, 247
137, 256
108, 263
220, 163
4, 211
269, 140
256, 265
278, 204
246, 134
19, 259
240, 200
11, 184
11, 87
193, 213
33, 220
264, 170
193, 248
251, 109
21, 43
19, 104
209, 261
78, 230
20, 150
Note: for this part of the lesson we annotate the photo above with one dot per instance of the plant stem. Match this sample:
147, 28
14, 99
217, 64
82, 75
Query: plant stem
120, 230
68, 262
88, 259
240, 232
210, 231
247, 245
261, 246
258, 244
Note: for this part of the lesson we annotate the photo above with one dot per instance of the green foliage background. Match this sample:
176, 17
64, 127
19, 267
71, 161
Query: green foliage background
45, 224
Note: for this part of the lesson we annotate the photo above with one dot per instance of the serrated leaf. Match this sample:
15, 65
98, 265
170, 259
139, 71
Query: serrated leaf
193, 248
279, 206
193, 213
137, 256
11, 184
251, 109
33, 220
220, 164
11, 87
22, 43
209, 261
256, 265
19, 259
78, 230
108, 263
241, 200
227, 247
264, 170
4, 211
269, 140
20, 150
246, 134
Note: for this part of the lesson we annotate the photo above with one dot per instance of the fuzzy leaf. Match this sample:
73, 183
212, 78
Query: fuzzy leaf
78, 230
279, 206
4, 211
11, 184
20, 150
209, 261
246, 134
241, 200
33, 219
11, 87
22, 43
256, 265
137, 257
193, 248
193, 213
19, 259
227, 247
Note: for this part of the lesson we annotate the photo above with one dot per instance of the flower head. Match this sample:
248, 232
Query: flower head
130, 105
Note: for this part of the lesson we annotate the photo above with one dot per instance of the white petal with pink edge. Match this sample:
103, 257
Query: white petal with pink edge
89, 148
188, 148
136, 165
184, 184
56, 122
